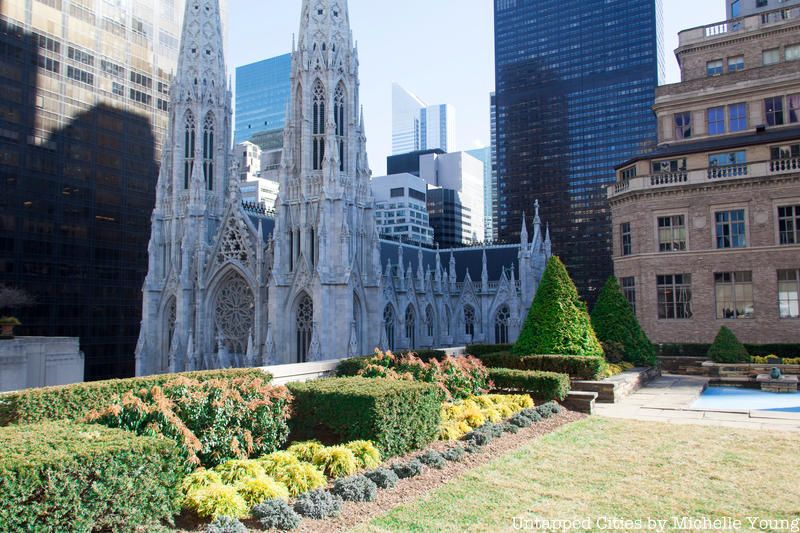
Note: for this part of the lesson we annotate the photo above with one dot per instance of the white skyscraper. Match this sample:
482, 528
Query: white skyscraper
406, 109
438, 125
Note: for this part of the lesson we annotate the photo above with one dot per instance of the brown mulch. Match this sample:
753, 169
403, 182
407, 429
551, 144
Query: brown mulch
354, 514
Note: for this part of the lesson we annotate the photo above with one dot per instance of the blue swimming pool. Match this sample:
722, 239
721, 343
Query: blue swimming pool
747, 399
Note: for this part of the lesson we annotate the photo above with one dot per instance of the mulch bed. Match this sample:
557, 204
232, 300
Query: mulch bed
408, 490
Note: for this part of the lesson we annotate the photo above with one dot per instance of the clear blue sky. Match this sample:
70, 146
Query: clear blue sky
441, 50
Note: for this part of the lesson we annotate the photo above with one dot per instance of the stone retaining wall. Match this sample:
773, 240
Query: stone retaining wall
615, 388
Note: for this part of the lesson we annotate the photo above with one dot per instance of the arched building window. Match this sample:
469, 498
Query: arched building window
469, 321
339, 115
208, 151
234, 313
318, 126
447, 320
388, 324
411, 327
501, 322
304, 322
429, 318
189, 139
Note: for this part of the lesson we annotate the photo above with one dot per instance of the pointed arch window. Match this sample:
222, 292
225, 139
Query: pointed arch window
339, 114
208, 152
429, 320
189, 139
388, 324
305, 327
501, 322
469, 321
318, 126
411, 327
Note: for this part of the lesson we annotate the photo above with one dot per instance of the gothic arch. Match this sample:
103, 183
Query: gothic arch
169, 314
303, 326
502, 321
411, 326
209, 125
318, 124
430, 323
470, 317
340, 121
189, 144
232, 309
389, 326
358, 320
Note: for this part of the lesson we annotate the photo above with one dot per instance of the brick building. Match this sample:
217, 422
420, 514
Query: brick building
707, 225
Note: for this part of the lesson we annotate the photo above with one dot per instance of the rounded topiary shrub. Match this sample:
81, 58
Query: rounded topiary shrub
226, 524
409, 469
318, 505
558, 322
384, 478
355, 489
728, 349
276, 514
615, 324
433, 459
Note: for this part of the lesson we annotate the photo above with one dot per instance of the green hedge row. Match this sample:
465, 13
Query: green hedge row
398, 416
74, 402
575, 366
541, 385
785, 351
484, 349
60, 476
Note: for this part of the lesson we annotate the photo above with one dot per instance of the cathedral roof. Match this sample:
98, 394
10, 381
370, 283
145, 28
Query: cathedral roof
498, 257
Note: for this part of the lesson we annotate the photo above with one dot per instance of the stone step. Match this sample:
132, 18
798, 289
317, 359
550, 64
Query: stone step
582, 402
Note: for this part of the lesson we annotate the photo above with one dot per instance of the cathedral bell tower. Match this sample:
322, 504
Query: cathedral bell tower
191, 193
326, 270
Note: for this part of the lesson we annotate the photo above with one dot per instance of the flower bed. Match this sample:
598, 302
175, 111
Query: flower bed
461, 417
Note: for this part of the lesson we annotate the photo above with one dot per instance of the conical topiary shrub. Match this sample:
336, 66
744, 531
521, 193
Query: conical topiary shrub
557, 322
727, 348
614, 322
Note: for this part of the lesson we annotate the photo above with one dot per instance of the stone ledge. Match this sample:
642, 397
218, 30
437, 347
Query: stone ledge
582, 402
616, 388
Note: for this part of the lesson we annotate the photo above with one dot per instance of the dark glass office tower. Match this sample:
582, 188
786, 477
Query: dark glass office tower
576, 81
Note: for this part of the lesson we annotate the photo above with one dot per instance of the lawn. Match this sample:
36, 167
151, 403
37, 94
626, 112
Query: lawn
601, 469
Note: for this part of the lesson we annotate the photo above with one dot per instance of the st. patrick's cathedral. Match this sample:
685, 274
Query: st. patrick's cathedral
230, 286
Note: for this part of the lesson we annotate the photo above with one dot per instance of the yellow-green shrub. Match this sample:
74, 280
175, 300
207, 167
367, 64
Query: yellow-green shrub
336, 461
259, 489
199, 479
461, 417
301, 478
275, 461
237, 470
305, 450
367, 455
218, 500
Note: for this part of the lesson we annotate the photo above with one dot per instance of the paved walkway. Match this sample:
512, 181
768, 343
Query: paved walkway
669, 399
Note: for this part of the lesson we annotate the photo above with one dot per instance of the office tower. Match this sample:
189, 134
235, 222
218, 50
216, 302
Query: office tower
438, 127
85, 90
485, 156
575, 86
401, 209
493, 184
707, 225
406, 132
745, 8
408, 163
262, 92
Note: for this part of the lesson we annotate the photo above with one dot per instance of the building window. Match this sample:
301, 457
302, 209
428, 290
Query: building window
731, 230
625, 237
789, 293
734, 292
304, 322
628, 173
208, 152
714, 68
727, 165
735, 64
629, 290
794, 108
339, 118
411, 327
762, 3
736, 9
792, 52
397, 193
683, 125
669, 166
318, 126
430, 321
501, 322
716, 120
672, 233
773, 109
772, 56
388, 325
469, 321
188, 150
789, 224
786, 151
737, 117
674, 296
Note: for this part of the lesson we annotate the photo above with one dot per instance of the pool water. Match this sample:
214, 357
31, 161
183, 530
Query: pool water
748, 399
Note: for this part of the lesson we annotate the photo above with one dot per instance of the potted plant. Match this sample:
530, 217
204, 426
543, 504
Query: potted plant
12, 298
7, 325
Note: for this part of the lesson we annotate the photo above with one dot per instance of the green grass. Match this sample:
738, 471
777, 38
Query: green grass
624, 469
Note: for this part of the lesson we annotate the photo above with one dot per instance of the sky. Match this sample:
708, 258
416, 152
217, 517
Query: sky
440, 50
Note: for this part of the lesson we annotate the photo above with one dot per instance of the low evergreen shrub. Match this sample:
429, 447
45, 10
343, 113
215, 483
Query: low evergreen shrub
259, 489
236, 470
74, 402
727, 348
495, 430
558, 321
367, 455
576, 367
478, 438
521, 421
226, 524
336, 461
355, 489
615, 323
305, 450
274, 462
471, 447
409, 469
456, 453
397, 416
217, 500
548, 410
276, 514
318, 505
384, 478
477, 350
62, 476
301, 478
543, 385
533, 414
433, 459
510, 428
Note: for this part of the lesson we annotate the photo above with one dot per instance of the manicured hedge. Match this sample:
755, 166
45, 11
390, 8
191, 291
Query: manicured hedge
74, 402
61, 476
541, 385
485, 349
727, 348
575, 366
700, 350
397, 416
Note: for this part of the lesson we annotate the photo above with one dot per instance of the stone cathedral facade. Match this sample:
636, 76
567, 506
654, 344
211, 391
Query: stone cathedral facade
230, 286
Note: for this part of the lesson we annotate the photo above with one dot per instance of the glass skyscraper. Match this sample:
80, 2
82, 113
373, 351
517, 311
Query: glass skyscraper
576, 81
262, 92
